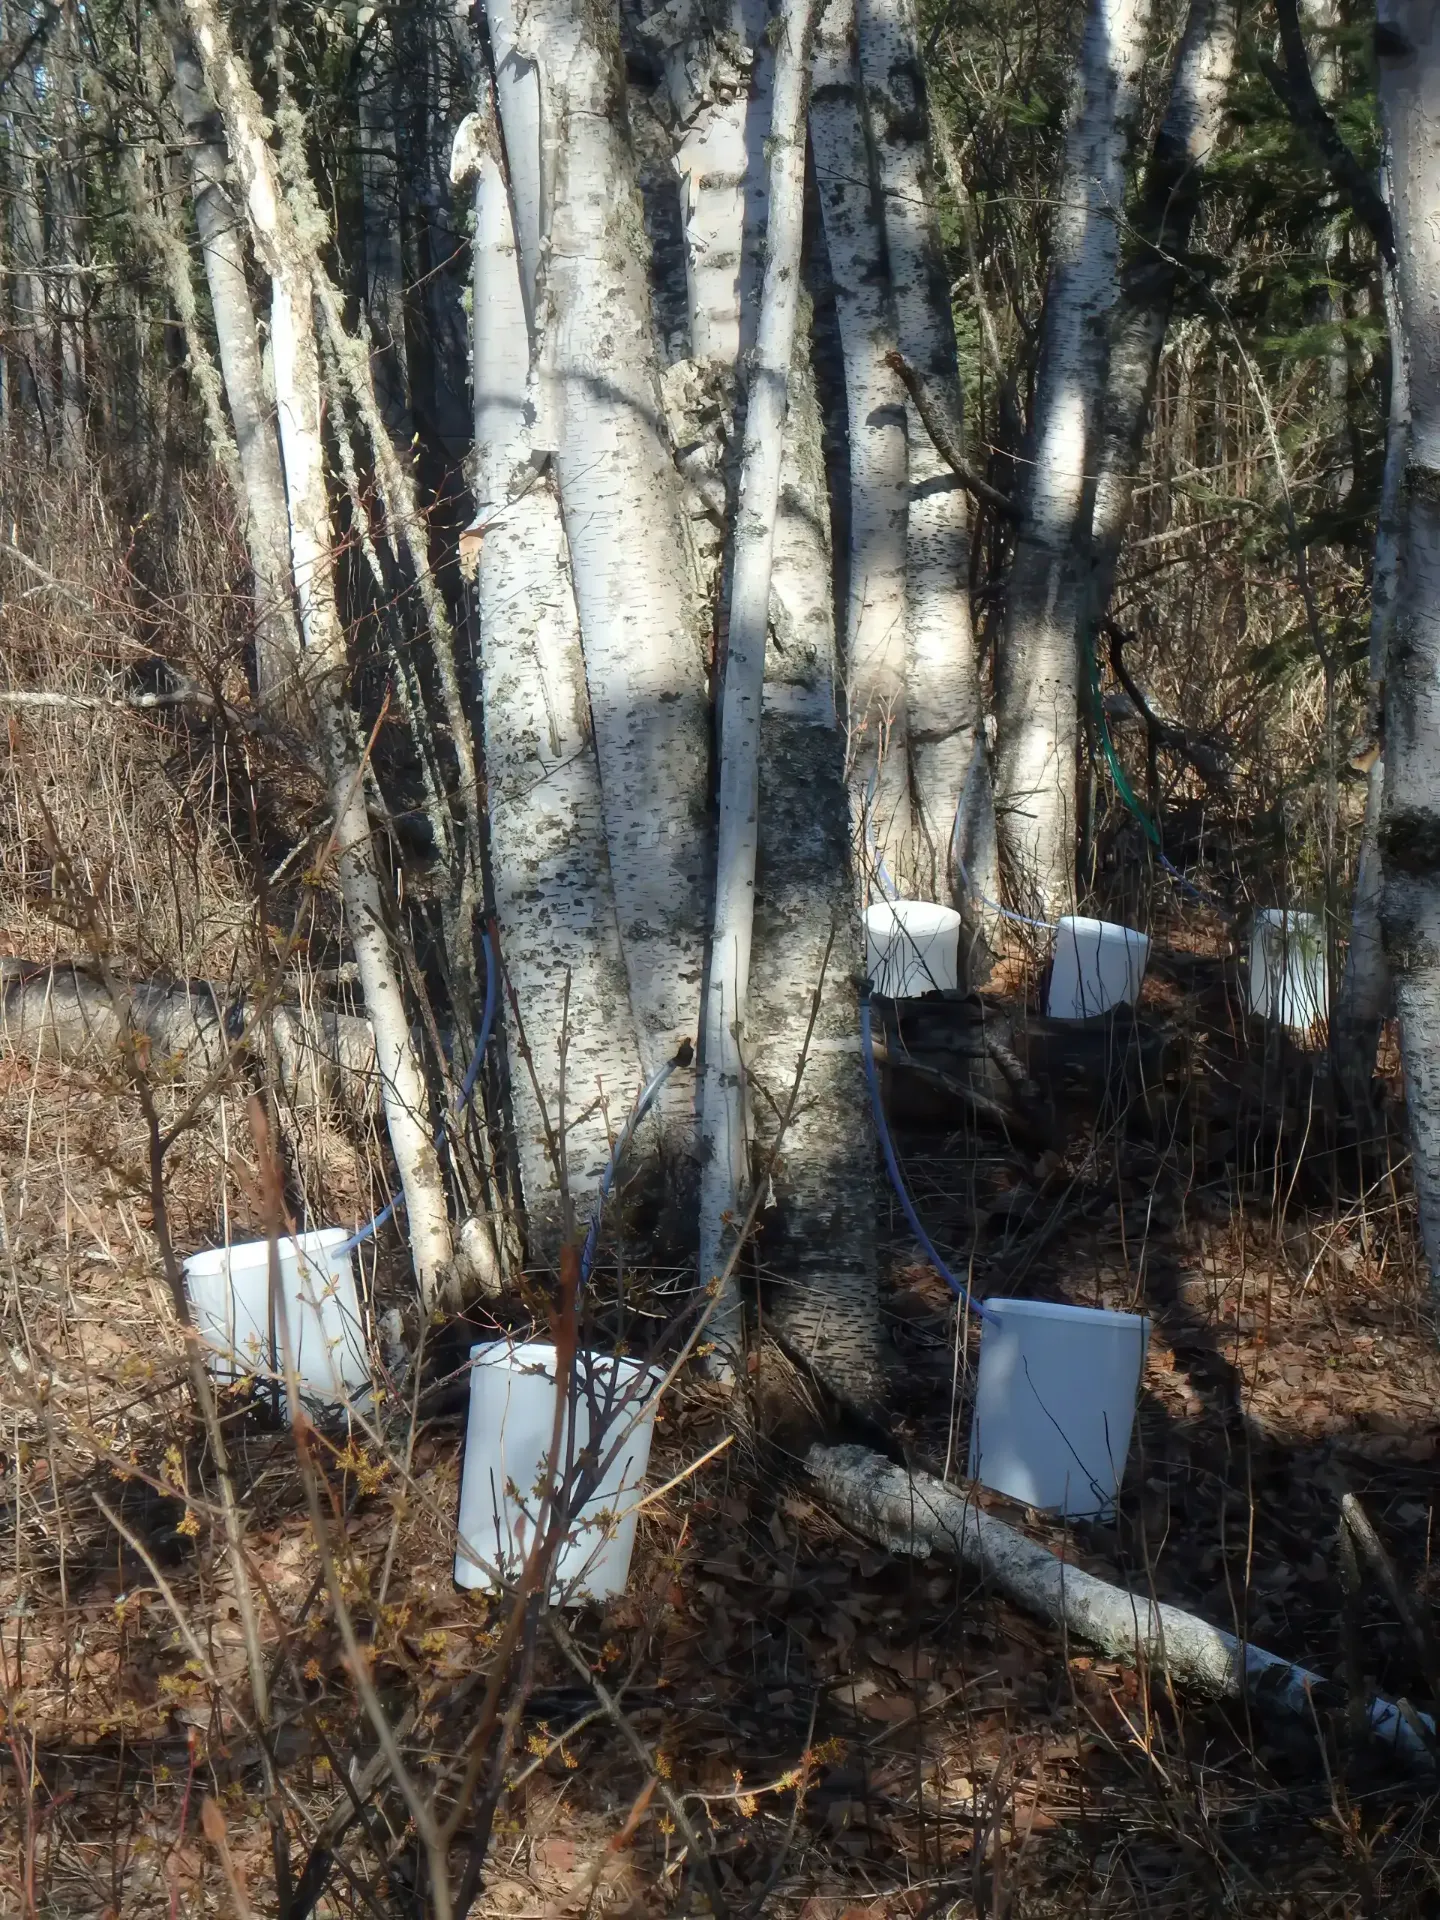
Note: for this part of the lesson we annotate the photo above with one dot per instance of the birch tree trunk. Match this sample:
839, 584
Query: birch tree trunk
817, 1227
724, 1130
817, 1251
553, 892
288, 256
874, 656
719, 76
946, 721
1037, 669
635, 589
1364, 998
1161, 226
222, 252
1408, 45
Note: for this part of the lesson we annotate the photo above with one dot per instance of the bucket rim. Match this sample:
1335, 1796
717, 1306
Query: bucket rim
1296, 917
931, 915
1086, 923
1064, 1310
540, 1355
316, 1240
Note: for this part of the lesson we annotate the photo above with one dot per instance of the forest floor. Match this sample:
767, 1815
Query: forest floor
852, 1733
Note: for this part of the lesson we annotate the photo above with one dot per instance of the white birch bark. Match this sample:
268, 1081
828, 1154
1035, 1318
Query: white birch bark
946, 721
1037, 669
635, 589
724, 1132
1364, 997
553, 892
817, 1255
874, 655
718, 68
1408, 45
817, 1235
222, 252
288, 257
918, 1515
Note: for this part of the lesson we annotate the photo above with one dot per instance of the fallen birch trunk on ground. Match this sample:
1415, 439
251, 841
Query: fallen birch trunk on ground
62, 1011
916, 1514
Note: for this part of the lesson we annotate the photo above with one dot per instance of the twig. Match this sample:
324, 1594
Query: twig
935, 425
213, 1821
674, 1805
1207, 762
421, 1813
1294, 85
1357, 1523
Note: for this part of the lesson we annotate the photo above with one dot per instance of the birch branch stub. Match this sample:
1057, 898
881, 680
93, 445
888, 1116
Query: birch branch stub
916, 1514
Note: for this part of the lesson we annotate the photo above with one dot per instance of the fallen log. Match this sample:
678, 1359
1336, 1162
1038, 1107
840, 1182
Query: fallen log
916, 1514
64, 1011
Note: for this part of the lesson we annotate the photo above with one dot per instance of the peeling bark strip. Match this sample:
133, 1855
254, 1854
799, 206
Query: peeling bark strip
635, 589
916, 1514
1037, 669
1408, 45
873, 657
553, 892
288, 255
945, 718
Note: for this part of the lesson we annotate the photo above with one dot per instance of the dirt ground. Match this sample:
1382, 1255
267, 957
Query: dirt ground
846, 1732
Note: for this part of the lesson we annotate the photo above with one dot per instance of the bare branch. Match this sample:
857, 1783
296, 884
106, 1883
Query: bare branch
1294, 86
935, 424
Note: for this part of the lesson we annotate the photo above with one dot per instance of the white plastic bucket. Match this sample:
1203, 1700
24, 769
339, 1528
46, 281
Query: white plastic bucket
911, 947
1288, 981
229, 1290
507, 1453
1096, 965
1055, 1403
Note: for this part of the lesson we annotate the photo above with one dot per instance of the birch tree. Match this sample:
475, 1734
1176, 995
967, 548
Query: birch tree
874, 650
560, 940
719, 102
1365, 996
218, 222
599, 413
1408, 46
32, 300
725, 1134
949, 772
287, 255
1037, 669
383, 301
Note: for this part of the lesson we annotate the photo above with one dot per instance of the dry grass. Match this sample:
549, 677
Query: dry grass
850, 1733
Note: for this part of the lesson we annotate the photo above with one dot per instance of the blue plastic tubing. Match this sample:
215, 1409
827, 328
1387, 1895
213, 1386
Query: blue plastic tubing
892, 1166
